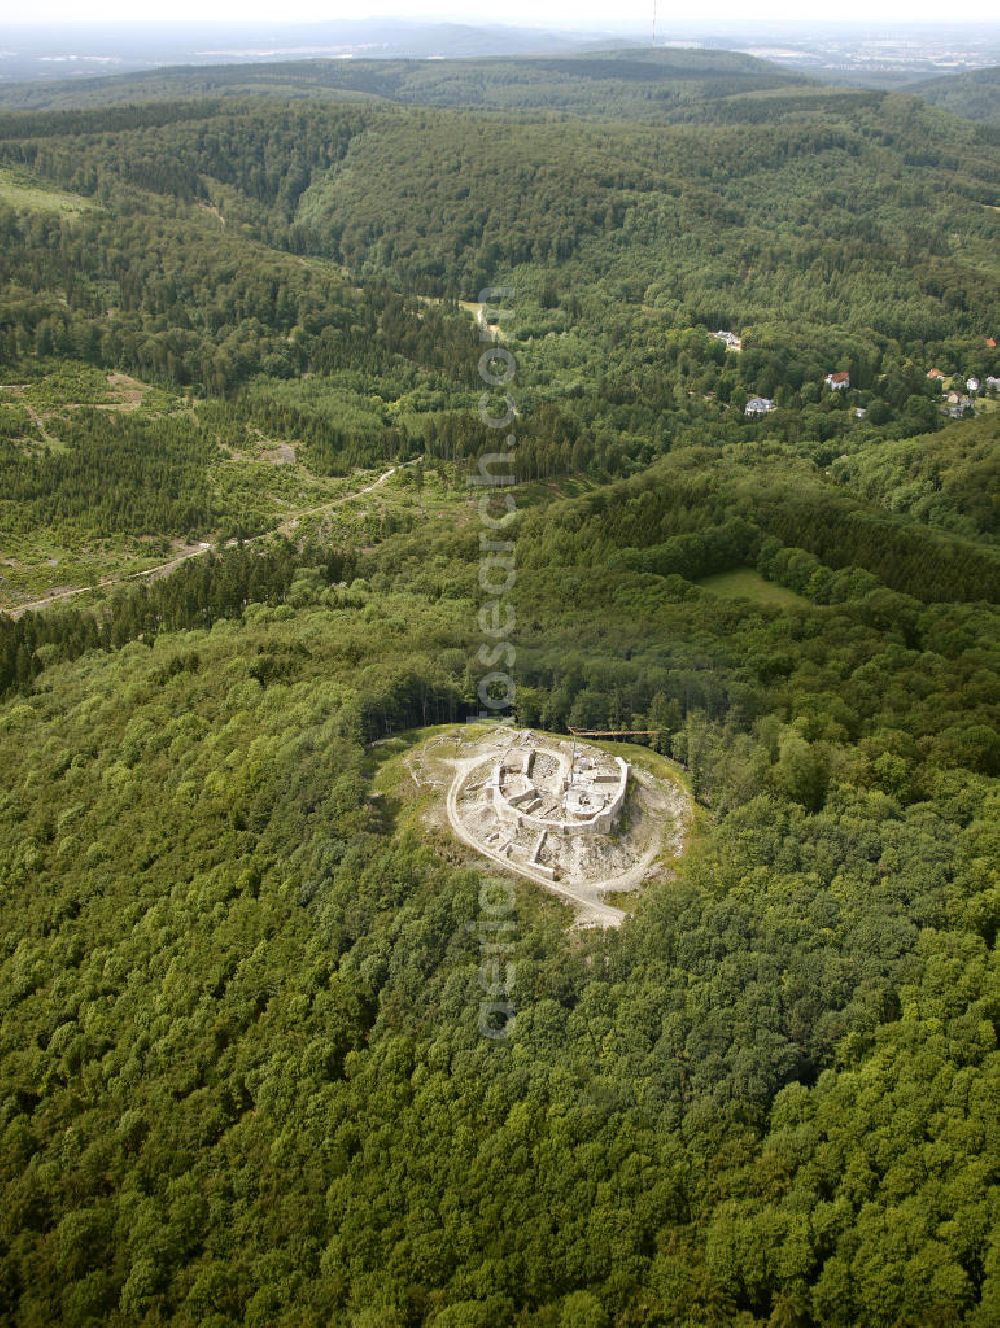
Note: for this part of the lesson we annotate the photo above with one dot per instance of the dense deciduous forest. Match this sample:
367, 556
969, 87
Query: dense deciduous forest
241, 1078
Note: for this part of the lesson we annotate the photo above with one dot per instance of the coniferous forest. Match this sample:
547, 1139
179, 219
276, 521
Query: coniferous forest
242, 1080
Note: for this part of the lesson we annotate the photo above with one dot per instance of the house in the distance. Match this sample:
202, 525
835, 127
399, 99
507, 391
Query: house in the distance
992, 384
958, 405
991, 342
759, 406
838, 382
729, 339
972, 384
936, 375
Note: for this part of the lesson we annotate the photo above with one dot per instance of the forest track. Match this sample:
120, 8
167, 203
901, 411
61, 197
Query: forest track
285, 527
17, 390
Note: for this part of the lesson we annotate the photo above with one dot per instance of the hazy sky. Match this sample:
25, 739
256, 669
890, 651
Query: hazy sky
598, 14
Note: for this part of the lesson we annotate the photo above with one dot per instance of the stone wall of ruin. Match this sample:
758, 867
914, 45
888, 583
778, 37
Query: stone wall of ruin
601, 823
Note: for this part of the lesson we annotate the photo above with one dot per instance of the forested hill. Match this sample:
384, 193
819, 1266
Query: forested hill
242, 1078
251, 250
975, 95
651, 85
640, 84
878, 216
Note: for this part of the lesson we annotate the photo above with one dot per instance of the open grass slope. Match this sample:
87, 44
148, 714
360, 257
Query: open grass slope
26, 192
746, 583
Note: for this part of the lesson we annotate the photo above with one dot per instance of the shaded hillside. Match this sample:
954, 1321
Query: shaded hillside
975, 96
950, 480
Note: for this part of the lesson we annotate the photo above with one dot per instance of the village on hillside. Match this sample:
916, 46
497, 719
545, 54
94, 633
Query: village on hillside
961, 394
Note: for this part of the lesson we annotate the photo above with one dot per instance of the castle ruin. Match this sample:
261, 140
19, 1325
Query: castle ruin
539, 798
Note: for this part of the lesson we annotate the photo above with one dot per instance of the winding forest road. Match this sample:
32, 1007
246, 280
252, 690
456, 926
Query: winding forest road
164, 569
